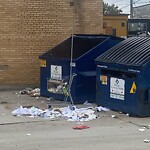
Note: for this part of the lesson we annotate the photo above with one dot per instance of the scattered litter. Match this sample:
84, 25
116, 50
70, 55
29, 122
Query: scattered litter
24, 111
113, 116
72, 107
49, 98
141, 130
82, 114
80, 123
28, 134
147, 141
70, 113
127, 114
31, 116
80, 127
86, 103
26, 90
49, 106
32, 92
100, 108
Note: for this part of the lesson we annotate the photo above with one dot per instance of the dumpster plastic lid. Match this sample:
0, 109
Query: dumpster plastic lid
133, 51
82, 43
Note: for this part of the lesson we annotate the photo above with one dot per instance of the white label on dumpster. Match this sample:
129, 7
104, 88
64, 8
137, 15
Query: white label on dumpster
117, 88
56, 72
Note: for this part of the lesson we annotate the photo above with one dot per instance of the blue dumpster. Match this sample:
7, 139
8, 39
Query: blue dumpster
123, 77
55, 67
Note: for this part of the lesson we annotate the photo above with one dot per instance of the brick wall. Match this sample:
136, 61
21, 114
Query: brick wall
30, 27
89, 16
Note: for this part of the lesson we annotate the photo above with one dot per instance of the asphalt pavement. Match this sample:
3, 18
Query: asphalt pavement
110, 131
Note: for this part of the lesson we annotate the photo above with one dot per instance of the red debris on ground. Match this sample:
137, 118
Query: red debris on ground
80, 127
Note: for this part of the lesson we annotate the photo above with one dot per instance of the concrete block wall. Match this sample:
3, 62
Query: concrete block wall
30, 27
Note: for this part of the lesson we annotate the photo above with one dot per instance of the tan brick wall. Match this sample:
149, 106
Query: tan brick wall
89, 16
30, 27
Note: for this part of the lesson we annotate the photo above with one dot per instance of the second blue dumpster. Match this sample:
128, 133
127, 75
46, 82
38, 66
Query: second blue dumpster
123, 77
56, 64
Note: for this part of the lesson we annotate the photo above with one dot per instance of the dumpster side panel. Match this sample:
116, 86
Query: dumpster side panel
85, 88
144, 91
117, 90
46, 76
43, 81
87, 61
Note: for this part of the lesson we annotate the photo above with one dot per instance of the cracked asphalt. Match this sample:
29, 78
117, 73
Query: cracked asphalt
106, 133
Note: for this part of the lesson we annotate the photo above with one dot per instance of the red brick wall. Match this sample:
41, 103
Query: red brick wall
30, 27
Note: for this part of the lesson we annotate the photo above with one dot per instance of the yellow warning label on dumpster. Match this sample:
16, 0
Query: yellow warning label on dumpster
43, 63
133, 88
103, 79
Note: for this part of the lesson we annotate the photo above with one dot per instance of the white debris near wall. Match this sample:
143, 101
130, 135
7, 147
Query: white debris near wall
71, 113
32, 92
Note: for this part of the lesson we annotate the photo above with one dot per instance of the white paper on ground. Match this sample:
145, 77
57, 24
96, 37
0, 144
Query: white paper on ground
75, 114
100, 108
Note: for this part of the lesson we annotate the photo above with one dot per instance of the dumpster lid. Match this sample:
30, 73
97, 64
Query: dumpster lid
82, 43
133, 51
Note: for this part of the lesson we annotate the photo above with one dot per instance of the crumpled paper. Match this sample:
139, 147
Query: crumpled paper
23, 111
71, 113
32, 92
